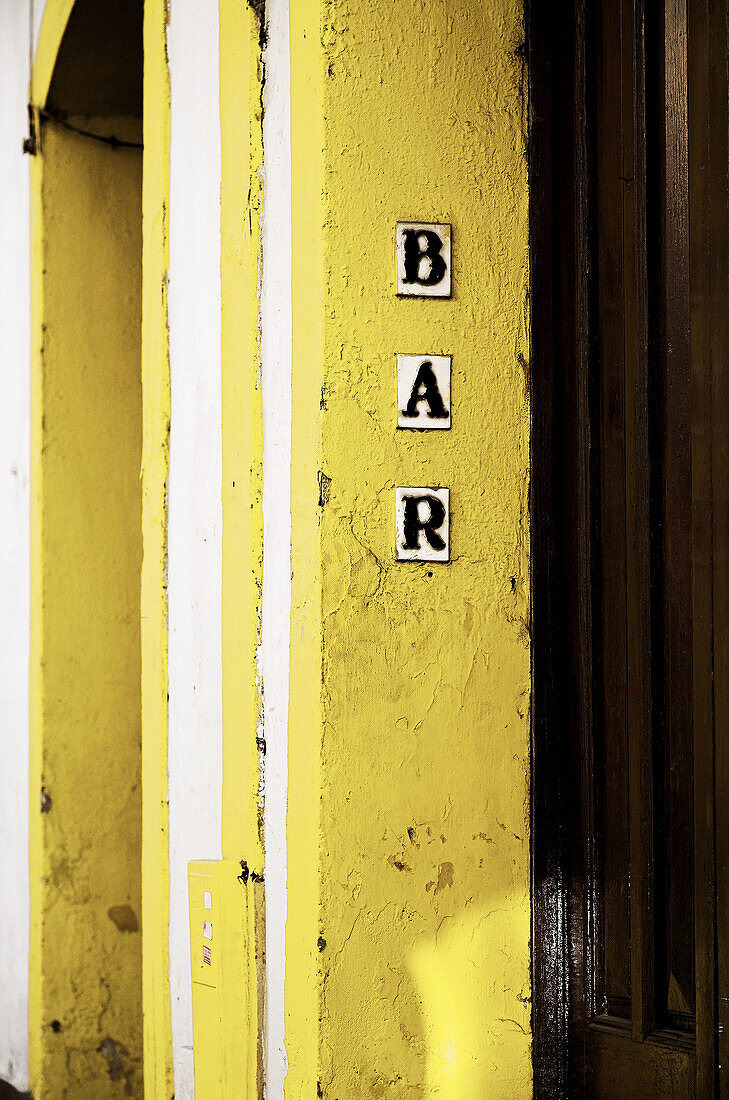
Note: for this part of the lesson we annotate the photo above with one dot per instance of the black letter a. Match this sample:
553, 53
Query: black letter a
425, 388
413, 524
435, 268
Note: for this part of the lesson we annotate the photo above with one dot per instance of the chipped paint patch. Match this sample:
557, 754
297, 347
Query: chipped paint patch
124, 917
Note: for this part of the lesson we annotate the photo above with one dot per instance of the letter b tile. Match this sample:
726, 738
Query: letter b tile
423, 260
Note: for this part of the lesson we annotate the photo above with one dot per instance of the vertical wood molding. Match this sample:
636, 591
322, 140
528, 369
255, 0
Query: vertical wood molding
155, 471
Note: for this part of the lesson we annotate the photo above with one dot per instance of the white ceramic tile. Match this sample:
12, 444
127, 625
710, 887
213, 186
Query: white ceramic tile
423, 391
422, 524
423, 251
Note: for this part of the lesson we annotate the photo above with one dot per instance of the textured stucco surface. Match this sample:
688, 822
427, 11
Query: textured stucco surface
419, 746
86, 798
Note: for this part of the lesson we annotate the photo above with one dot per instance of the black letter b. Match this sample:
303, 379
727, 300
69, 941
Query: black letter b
434, 268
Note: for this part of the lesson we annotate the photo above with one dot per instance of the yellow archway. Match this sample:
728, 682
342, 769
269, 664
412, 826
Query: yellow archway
53, 27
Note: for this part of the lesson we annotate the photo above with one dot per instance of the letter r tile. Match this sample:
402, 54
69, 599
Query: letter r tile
422, 524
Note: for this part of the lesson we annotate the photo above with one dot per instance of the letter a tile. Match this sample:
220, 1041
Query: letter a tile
423, 391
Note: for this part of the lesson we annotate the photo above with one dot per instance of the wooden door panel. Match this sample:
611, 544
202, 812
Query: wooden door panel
616, 1066
610, 736
640, 743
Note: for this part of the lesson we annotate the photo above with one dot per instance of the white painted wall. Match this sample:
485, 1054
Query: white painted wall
14, 540
276, 602
195, 508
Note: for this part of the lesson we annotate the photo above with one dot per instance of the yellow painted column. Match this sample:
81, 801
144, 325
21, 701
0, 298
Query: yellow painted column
85, 778
408, 846
89, 794
54, 22
158, 1082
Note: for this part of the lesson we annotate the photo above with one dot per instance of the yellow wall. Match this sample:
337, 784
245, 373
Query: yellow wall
408, 848
86, 1016
407, 950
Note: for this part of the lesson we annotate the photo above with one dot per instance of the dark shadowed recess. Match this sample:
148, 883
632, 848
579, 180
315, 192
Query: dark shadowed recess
102, 74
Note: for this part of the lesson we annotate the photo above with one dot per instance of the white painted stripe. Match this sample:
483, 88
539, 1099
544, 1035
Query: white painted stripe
37, 10
14, 541
195, 754
276, 600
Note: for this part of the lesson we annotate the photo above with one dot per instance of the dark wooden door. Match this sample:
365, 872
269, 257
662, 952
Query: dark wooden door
631, 534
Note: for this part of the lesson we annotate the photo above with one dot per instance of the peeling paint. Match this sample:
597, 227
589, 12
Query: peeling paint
119, 1065
445, 878
324, 486
124, 917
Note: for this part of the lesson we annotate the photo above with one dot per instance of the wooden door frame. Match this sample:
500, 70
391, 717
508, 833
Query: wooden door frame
561, 309
553, 98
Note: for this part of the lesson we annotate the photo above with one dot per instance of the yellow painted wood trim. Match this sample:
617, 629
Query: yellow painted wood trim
55, 19
242, 427
305, 699
158, 1076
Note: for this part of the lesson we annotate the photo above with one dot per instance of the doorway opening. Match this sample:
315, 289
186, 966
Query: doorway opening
630, 262
86, 1023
